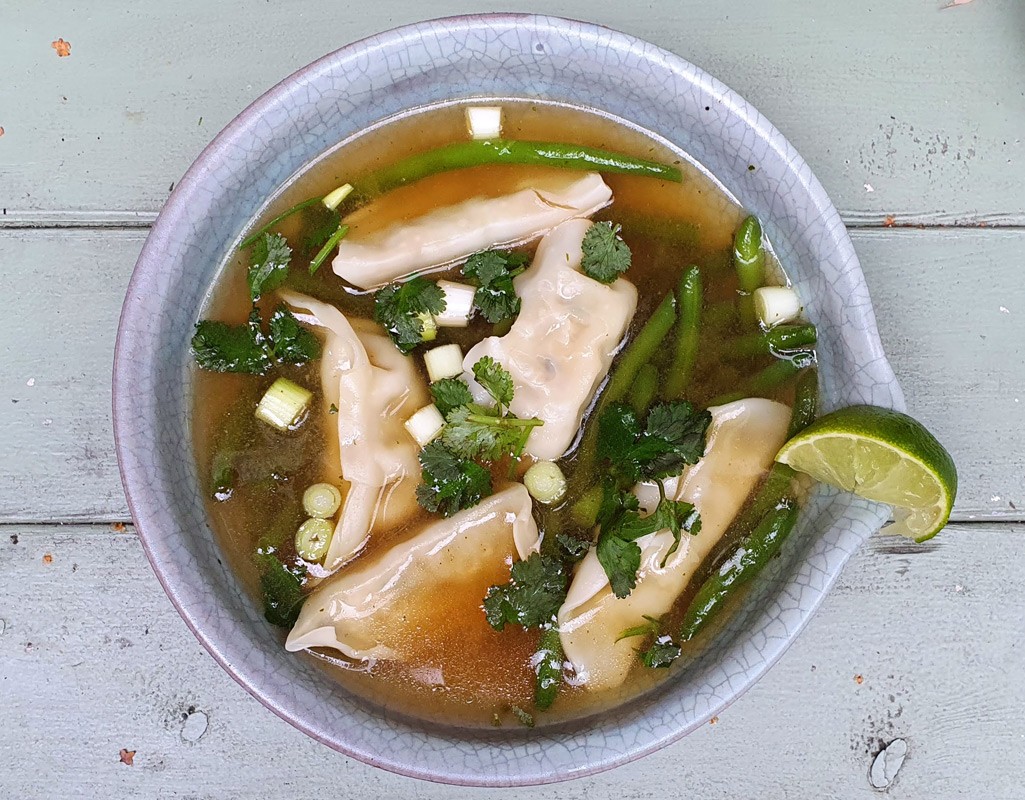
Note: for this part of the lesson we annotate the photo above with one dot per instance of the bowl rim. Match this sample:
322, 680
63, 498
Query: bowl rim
174, 210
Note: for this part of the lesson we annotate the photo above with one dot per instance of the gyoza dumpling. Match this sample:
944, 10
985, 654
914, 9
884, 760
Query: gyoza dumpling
561, 345
370, 610
743, 439
455, 232
375, 389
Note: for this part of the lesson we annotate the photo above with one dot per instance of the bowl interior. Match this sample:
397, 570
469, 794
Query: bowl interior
491, 55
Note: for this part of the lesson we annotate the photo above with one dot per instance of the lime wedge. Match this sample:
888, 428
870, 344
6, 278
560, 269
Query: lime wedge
881, 455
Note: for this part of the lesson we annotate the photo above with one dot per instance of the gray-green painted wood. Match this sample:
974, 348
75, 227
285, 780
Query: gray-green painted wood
923, 105
94, 659
938, 295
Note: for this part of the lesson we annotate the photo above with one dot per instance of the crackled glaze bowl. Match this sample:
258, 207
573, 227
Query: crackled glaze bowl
499, 56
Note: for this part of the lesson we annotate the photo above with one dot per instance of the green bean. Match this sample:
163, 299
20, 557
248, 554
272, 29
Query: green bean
638, 353
584, 512
688, 329
766, 381
506, 151
748, 559
806, 397
749, 258
329, 245
776, 340
549, 669
644, 388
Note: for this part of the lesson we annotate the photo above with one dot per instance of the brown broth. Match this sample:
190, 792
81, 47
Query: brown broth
459, 669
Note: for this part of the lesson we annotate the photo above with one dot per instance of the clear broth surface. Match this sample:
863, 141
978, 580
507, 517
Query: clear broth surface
460, 670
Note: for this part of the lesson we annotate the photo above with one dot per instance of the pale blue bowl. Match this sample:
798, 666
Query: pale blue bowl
341, 94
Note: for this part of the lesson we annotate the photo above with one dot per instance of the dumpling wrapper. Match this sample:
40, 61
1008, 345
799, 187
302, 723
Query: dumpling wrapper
375, 389
455, 232
743, 439
561, 345
354, 611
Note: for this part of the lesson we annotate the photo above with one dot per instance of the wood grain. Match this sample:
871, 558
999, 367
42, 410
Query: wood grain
902, 108
938, 296
94, 659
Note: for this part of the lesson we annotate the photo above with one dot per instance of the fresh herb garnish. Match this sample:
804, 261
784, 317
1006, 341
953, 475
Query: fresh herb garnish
291, 342
398, 307
606, 255
220, 347
450, 393
572, 548
494, 270
282, 590
663, 652
450, 483
536, 589
673, 437
647, 629
488, 433
269, 264
524, 717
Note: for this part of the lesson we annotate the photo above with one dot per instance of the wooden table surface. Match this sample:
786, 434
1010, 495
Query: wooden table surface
911, 115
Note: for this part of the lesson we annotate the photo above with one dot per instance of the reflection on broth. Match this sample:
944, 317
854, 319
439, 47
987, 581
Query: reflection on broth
437, 585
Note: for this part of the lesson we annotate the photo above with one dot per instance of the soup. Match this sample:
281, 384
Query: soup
491, 435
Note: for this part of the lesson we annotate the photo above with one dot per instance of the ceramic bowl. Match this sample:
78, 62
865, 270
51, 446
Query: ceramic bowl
472, 56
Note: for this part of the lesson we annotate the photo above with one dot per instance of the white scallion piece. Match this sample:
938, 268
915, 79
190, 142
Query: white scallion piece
430, 331
283, 404
484, 122
425, 424
776, 305
458, 304
313, 539
444, 362
545, 482
321, 500
335, 198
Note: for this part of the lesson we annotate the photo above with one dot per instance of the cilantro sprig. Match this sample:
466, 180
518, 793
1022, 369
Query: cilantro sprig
400, 308
533, 595
493, 271
606, 255
220, 347
450, 483
268, 266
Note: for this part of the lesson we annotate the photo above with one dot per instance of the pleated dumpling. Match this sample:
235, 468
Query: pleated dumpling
561, 345
374, 388
743, 439
371, 609
449, 234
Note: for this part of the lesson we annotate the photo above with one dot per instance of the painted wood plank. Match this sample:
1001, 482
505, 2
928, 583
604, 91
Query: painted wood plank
902, 109
94, 659
938, 295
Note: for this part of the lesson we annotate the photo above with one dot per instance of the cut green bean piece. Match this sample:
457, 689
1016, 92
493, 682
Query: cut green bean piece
775, 341
689, 295
506, 151
806, 398
765, 382
584, 512
644, 388
747, 560
749, 258
549, 658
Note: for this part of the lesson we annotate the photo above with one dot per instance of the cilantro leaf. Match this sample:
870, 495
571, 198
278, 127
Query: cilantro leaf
673, 437
606, 255
536, 589
449, 394
571, 548
620, 559
269, 267
663, 652
398, 307
292, 343
477, 432
220, 347
495, 379
494, 271
450, 483
282, 590
319, 222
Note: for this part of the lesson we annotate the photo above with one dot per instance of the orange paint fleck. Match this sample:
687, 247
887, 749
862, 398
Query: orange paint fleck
858, 680
47, 559
118, 527
713, 720
889, 222
1, 130
127, 756
63, 48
